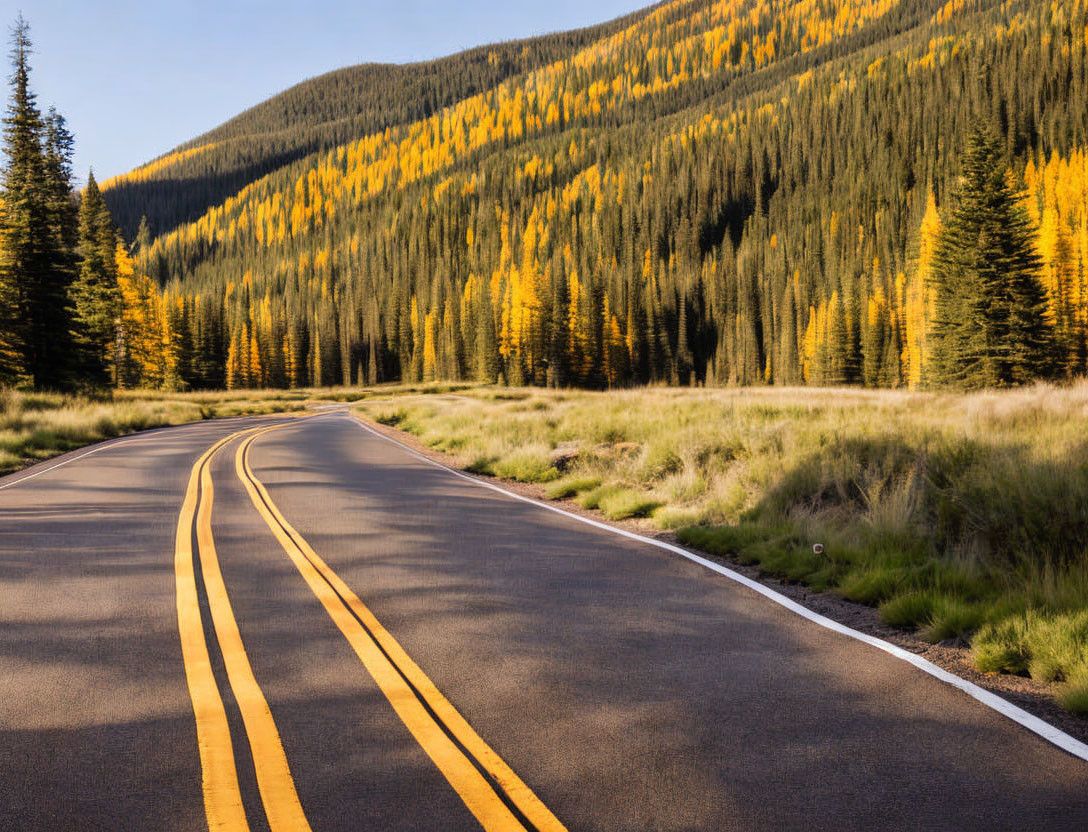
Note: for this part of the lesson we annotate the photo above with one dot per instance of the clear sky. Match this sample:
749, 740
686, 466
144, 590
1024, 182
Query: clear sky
135, 78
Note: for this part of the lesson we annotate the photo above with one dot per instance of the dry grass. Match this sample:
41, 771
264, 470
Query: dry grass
36, 426
963, 516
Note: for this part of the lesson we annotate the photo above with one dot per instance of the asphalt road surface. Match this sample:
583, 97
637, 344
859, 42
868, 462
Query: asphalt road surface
292, 624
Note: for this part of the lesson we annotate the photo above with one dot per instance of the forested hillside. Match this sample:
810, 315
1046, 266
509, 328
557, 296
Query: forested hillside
320, 114
747, 191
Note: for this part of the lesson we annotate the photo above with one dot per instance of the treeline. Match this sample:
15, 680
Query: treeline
70, 297
588, 224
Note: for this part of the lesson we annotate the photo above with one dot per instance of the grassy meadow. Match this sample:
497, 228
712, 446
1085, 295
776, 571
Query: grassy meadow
37, 426
963, 517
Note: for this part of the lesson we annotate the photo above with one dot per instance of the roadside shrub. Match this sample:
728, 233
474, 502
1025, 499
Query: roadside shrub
659, 461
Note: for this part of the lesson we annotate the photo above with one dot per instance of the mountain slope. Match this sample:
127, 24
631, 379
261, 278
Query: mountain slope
319, 114
741, 191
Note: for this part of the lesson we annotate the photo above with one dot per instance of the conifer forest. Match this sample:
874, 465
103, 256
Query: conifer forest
886, 193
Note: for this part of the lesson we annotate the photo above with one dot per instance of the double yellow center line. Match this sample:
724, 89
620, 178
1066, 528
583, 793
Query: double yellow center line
490, 789
222, 796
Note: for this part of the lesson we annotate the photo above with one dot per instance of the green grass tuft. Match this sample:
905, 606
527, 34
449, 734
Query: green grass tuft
625, 503
673, 517
908, 612
592, 499
722, 540
527, 465
570, 486
1073, 695
953, 618
391, 418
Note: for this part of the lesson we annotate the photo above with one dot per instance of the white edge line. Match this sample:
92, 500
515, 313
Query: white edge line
109, 444
1044, 729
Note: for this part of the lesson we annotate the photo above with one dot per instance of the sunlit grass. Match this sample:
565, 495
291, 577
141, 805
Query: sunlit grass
963, 517
36, 426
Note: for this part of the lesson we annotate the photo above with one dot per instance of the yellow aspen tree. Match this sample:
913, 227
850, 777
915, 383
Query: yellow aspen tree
1061, 279
245, 370
1082, 259
611, 342
234, 366
290, 358
141, 325
256, 366
809, 345
919, 298
508, 332
468, 295
528, 312
167, 351
430, 354
1048, 244
576, 327
317, 375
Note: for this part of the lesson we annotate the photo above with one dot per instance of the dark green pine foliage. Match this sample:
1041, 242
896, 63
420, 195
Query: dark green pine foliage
989, 329
35, 235
840, 356
63, 205
95, 295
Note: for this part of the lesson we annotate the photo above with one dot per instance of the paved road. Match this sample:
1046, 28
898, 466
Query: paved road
313, 629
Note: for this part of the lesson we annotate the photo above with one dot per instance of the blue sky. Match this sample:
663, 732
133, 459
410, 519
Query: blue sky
135, 78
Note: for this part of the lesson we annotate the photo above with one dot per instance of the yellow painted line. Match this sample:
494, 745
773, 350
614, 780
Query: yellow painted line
386, 669
222, 798
274, 781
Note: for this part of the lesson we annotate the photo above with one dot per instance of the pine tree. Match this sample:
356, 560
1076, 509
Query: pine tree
35, 269
143, 238
487, 350
62, 204
838, 343
234, 364
990, 328
95, 294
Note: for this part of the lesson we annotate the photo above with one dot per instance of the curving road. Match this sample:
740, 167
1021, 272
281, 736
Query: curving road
293, 623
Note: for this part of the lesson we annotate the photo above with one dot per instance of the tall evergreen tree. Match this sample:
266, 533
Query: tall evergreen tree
58, 148
989, 328
35, 269
95, 293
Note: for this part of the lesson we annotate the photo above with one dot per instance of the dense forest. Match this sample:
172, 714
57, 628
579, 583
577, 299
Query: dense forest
319, 115
60, 297
739, 192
